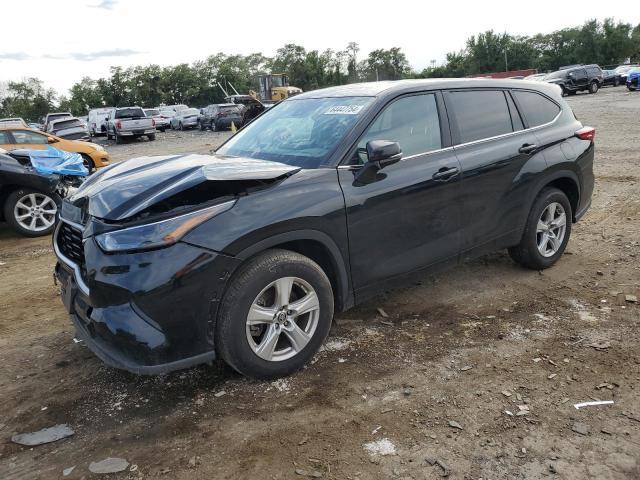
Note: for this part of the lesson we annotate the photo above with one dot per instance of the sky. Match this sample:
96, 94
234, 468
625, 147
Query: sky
60, 42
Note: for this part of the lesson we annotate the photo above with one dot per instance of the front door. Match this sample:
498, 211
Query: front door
408, 217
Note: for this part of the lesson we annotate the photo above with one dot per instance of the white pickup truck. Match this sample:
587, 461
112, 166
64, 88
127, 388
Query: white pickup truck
129, 122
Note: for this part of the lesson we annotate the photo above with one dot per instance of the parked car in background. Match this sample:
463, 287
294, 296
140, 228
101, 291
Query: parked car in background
162, 121
12, 122
35, 126
576, 79
50, 117
610, 77
94, 155
129, 122
633, 79
69, 128
252, 107
220, 116
175, 108
30, 202
622, 72
185, 119
97, 121
327, 199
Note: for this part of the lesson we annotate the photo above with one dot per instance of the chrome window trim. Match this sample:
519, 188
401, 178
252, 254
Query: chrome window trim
410, 157
68, 262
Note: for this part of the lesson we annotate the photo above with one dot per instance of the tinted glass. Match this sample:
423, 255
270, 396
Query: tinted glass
412, 121
189, 112
558, 74
56, 116
301, 132
537, 109
5, 139
480, 114
130, 113
151, 112
67, 124
29, 138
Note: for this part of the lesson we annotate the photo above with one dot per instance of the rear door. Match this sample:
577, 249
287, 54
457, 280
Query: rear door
408, 217
494, 150
6, 140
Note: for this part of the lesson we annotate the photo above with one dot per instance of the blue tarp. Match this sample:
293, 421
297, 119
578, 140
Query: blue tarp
52, 160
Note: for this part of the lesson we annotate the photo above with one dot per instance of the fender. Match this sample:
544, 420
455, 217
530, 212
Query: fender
546, 179
345, 292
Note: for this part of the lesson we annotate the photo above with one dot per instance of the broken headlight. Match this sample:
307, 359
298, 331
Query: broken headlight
157, 234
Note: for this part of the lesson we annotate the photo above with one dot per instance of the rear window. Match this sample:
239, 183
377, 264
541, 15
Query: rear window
151, 112
594, 70
228, 108
537, 109
56, 116
67, 124
190, 111
480, 114
130, 113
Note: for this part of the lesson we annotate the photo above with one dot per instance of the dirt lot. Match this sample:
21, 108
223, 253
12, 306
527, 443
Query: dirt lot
432, 383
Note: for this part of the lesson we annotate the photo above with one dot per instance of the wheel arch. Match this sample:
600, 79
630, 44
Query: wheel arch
565, 181
320, 248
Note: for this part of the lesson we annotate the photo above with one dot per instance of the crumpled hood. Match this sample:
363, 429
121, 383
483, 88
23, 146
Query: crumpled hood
127, 188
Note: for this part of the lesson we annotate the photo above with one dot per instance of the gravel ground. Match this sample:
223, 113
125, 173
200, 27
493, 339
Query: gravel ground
474, 374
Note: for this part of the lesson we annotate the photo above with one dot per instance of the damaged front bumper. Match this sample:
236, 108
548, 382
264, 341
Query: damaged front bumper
147, 312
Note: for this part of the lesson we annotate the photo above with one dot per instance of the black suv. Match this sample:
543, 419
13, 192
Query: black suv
326, 199
577, 78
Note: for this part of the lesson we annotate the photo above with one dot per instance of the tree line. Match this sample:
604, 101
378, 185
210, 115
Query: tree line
197, 84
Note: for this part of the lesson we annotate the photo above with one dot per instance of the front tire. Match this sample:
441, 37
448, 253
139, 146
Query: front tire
32, 213
88, 162
275, 315
546, 232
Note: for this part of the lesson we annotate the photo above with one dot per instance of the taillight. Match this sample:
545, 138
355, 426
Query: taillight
118, 124
586, 133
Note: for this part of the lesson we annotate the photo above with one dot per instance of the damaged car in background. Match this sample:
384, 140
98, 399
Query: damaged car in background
29, 200
321, 202
69, 128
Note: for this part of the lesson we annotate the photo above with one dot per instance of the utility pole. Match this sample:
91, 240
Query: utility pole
506, 65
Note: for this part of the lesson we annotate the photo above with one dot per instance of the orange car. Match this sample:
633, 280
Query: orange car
11, 138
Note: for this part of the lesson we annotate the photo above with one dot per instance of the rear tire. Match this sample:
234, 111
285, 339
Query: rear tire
593, 87
118, 138
151, 137
254, 288
528, 252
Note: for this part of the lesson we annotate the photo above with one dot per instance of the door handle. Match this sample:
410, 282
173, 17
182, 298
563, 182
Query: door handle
528, 148
445, 174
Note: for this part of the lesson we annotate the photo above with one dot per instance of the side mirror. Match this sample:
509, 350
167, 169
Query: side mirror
52, 140
383, 153
380, 154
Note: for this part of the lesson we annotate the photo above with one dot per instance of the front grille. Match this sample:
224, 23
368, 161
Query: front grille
69, 242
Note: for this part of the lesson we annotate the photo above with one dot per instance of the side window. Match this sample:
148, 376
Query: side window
411, 121
5, 138
480, 114
29, 138
537, 109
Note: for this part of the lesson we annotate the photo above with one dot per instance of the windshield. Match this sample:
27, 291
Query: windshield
130, 113
301, 132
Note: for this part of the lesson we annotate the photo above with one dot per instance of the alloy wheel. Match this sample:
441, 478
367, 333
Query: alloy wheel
35, 212
282, 319
551, 229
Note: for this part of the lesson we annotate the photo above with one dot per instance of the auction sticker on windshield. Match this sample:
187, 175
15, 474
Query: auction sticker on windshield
344, 110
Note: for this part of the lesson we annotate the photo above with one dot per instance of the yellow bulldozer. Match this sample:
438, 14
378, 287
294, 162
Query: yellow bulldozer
274, 87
